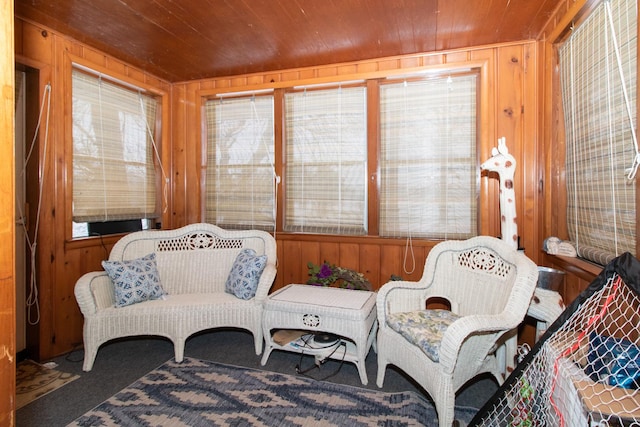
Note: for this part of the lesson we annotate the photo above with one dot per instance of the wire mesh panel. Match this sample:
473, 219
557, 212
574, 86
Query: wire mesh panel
585, 370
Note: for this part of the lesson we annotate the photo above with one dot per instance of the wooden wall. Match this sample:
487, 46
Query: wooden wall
518, 102
551, 156
7, 222
508, 108
60, 261
514, 103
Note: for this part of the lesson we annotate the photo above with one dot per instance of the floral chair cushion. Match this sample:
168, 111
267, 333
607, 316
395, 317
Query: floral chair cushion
424, 328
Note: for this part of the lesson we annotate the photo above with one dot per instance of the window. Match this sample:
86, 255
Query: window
240, 184
428, 161
425, 156
598, 76
326, 161
114, 173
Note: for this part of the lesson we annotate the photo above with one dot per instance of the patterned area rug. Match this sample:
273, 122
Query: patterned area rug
34, 380
201, 393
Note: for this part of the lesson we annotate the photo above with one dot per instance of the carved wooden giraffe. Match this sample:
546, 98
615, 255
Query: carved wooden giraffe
505, 165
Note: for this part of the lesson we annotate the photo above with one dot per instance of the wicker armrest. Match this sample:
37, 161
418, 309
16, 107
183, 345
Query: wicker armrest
94, 291
399, 296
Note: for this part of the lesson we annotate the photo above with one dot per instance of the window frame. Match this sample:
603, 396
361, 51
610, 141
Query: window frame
205, 154
486, 189
160, 159
285, 163
439, 77
556, 221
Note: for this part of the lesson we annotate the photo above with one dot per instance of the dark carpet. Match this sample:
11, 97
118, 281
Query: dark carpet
120, 363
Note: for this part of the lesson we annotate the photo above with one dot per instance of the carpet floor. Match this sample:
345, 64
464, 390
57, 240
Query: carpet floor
200, 393
120, 363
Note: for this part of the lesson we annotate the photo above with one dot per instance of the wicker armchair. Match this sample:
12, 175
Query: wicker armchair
489, 286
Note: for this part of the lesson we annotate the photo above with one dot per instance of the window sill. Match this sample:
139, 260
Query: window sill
90, 241
584, 269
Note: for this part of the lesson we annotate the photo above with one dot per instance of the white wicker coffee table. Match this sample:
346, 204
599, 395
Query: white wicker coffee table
348, 313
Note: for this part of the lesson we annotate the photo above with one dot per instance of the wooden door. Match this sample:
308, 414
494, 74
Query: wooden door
7, 222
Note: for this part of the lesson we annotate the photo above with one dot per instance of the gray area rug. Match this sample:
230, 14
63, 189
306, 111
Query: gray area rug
202, 393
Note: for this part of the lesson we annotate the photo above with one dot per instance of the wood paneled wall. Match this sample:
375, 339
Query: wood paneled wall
60, 261
551, 155
508, 108
7, 221
512, 96
517, 102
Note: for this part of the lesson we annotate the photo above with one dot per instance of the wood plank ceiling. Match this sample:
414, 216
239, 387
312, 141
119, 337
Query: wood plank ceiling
180, 40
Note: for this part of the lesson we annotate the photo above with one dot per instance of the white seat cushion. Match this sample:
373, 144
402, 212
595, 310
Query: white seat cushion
424, 328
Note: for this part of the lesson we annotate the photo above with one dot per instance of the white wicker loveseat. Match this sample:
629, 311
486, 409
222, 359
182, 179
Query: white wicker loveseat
193, 264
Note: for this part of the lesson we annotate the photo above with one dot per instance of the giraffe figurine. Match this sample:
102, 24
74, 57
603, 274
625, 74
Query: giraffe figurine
505, 165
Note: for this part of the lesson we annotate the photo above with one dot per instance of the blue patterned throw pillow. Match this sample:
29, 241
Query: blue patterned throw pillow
245, 274
136, 280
